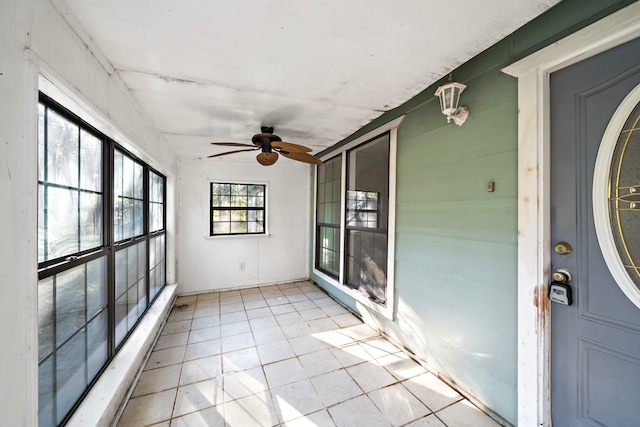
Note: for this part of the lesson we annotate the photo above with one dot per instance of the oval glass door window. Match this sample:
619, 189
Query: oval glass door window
616, 196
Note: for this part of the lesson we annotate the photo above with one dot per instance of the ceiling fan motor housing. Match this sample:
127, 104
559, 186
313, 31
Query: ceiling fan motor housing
265, 138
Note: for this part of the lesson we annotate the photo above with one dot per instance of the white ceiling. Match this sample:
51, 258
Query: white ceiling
214, 70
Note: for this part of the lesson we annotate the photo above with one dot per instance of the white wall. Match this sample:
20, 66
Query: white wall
212, 263
34, 38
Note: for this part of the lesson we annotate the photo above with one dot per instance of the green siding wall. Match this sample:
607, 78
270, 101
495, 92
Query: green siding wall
456, 243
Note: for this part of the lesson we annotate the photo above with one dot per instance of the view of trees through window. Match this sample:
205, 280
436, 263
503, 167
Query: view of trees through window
237, 209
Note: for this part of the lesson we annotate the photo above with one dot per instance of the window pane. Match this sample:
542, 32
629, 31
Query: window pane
238, 215
90, 162
70, 302
239, 227
121, 272
96, 286
238, 190
121, 318
256, 190
70, 373
61, 222
90, 220
96, 345
46, 318
62, 150
46, 394
128, 197
41, 143
221, 227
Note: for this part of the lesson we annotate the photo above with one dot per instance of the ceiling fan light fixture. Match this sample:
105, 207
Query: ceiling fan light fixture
267, 159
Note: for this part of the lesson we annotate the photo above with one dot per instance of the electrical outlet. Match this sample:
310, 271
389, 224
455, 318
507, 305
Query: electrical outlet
243, 266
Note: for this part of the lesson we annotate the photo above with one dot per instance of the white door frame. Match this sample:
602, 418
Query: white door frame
534, 328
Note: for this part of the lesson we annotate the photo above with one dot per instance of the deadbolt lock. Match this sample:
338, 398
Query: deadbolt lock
561, 275
563, 248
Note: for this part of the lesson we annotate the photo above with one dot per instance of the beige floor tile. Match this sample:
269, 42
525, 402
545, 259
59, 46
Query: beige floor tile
289, 356
197, 396
176, 327
210, 417
319, 362
430, 421
231, 308
166, 357
252, 411
157, 380
358, 412
149, 409
232, 317
284, 372
275, 351
179, 315
359, 332
239, 360
206, 311
257, 313
432, 391
401, 366
202, 349
464, 414
335, 387
270, 335
296, 399
244, 383
333, 338
307, 344
317, 419
257, 302
204, 334
172, 340
263, 323
235, 328
205, 322
398, 405
202, 369
370, 376
237, 342
351, 355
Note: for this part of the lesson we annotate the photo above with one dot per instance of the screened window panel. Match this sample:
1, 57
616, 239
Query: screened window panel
366, 218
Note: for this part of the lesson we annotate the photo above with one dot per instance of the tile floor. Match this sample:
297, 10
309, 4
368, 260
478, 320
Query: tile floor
285, 355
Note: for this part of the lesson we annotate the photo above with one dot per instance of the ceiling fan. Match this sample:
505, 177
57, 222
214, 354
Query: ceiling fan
270, 145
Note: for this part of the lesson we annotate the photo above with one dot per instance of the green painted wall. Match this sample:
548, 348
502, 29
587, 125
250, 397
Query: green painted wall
456, 243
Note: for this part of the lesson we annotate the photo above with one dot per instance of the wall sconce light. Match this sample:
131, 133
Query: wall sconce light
449, 95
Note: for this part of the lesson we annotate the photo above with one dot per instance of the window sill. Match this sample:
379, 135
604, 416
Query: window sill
237, 236
103, 403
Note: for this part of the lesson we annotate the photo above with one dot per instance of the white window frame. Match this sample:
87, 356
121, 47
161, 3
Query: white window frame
389, 310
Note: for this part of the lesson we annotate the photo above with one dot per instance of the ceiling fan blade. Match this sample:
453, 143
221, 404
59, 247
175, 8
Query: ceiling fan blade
302, 157
291, 147
231, 152
232, 144
267, 159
